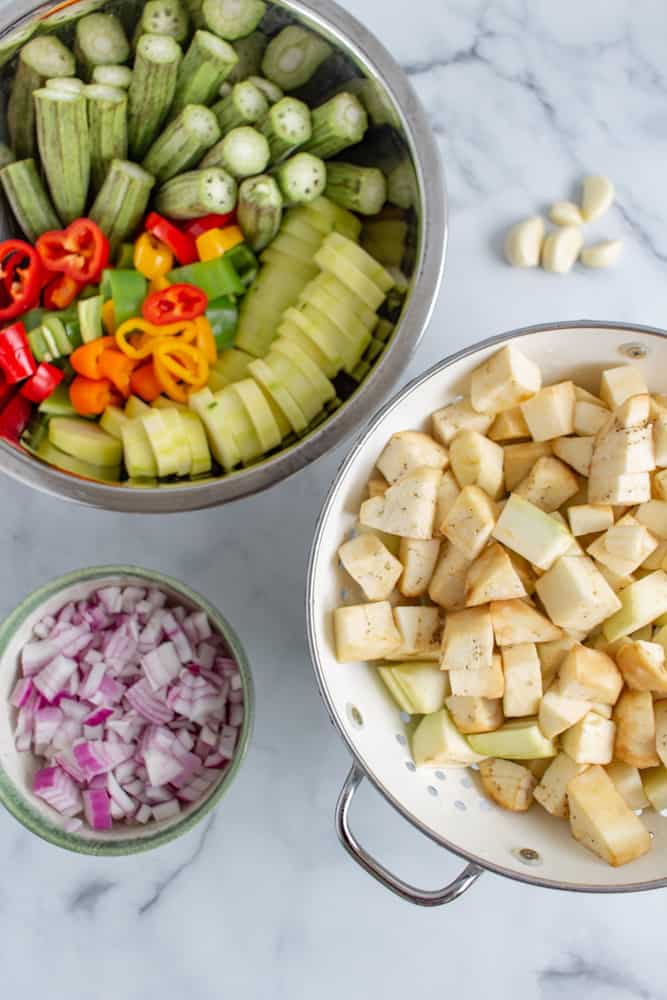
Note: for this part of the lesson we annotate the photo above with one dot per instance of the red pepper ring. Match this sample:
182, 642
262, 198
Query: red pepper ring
195, 227
61, 291
16, 360
181, 244
21, 278
174, 304
81, 251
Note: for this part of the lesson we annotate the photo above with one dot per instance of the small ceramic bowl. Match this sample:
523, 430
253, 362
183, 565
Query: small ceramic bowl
17, 769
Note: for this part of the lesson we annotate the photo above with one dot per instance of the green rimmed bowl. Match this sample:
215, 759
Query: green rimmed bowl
17, 769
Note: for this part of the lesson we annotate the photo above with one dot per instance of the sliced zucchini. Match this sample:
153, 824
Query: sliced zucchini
162, 403
58, 403
306, 365
259, 412
305, 215
332, 261
279, 260
54, 456
166, 433
284, 425
232, 365
299, 226
136, 407
339, 219
294, 332
240, 425
342, 314
295, 382
362, 260
85, 440
200, 455
272, 385
137, 451
341, 293
112, 421
300, 247
220, 438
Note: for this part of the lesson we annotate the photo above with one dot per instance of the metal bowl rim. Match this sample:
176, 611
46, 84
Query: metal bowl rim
357, 40
310, 598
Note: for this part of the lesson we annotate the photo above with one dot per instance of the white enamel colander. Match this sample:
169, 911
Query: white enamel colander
447, 804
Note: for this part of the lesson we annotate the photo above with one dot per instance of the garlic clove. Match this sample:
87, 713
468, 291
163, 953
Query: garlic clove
604, 254
561, 249
596, 197
565, 213
524, 242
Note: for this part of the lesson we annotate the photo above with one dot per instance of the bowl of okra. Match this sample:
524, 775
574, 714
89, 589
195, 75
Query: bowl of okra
222, 233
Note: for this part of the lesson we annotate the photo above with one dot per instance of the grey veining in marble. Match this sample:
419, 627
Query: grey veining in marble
524, 96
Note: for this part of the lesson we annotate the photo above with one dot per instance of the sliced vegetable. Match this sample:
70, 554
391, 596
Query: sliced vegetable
183, 142
100, 40
113, 76
163, 17
60, 292
121, 201
195, 227
233, 19
302, 178
215, 242
81, 251
90, 397
207, 63
244, 152
62, 136
178, 302
259, 210
197, 193
16, 360
28, 198
39, 59
107, 129
214, 277
144, 383
222, 314
337, 124
21, 278
85, 440
286, 127
244, 105
14, 418
128, 291
293, 56
117, 368
359, 189
90, 318
151, 91
181, 244
86, 359
152, 258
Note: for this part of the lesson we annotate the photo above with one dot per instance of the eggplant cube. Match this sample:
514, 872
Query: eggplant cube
660, 440
589, 418
489, 682
508, 784
575, 594
635, 729
475, 715
365, 632
437, 741
536, 536
448, 583
448, 491
640, 604
408, 451
371, 565
467, 642
601, 820
660, 714
589, 519
519, 459
447, 422
577, 452
558, 713
422, 686
420, 629
503, 381
653, 515
551, 792
509, 425
523, 680
470, 521
628, 783
407, 508
590, 674
643, 666
619, 490
550, 413
521, 739
418, 557
618, 384
517, 622
549, 484
591, 740
492, 577
476, 461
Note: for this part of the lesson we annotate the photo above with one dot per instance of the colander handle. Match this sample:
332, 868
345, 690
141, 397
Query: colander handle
421, 897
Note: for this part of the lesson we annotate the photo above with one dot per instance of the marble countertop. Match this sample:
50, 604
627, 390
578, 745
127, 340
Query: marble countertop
524, 99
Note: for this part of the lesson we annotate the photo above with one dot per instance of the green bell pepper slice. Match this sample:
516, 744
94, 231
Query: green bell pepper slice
128, 291
223, 316
215, 277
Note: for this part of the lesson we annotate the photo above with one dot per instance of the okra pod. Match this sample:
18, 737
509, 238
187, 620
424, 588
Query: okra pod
259, 210
197, 193
286, 127
302, 178
245, 105
250, 52
113, 76
107, 129
163, 17
122, 200
71, 84
64, 148
100, 40
183, 142
232, 19
207, 63
402, 185
272, 92
293, 55
338, 123
244, 152
38, 60
6, 155
28, 199
359, 189
151, 91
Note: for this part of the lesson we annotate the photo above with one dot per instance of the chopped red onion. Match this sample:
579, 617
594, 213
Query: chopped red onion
166, 810
52, 678
21, 692
161, 767
112, 599
143, 813
97, 808
56, 787
161, 666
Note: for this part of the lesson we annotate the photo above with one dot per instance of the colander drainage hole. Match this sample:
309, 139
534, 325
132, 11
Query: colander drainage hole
527, 856
441, 776
432, 790
461, 806
405, 717
401, 740
355, 716
410, 765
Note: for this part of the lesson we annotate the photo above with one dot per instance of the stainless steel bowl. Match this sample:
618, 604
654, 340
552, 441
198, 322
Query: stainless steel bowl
401, 128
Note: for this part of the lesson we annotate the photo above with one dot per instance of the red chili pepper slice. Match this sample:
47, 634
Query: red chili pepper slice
81, 251
61, 292
181, 244
21, 278
43, 382
173, 304
15, 417
16, 360
195, 227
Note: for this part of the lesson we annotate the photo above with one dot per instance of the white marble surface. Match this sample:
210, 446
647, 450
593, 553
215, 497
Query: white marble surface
524, 97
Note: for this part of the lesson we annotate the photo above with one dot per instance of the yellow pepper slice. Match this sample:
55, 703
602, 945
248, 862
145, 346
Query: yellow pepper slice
170, 386
152, 258
145, 345
215, 242
109, 317
158, 284
179, 361
205, 340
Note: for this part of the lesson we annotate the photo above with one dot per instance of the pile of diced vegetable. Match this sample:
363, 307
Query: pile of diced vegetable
510, 582
132, 705
148, 164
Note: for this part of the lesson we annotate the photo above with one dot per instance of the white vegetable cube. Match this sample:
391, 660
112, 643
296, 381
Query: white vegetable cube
520, 739
589, 418
590, 674
475, 715
654, 780
551, 792
558, 713
526, 529
552, 654
422, 687
418, 557
628, 783
643, 665
365, 632
588, 519
601, 820
624, 547
476, 461
492, 577
523, 680
653, 515
623, 452
447, 586
660, 484
420, 629
408, 451
577, 452
619, 490
660, 441
660, 715
377, 486
520, 458
640, 603
371, 565
470, 521
437, 741
503, 381
508, 784
517, 621
448, 491
407, 508
591, 740
489, 682
618, 384
510, 425
467, 642
550, 413
657, 558
447, 422
548, 484
575, 594
635, 729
